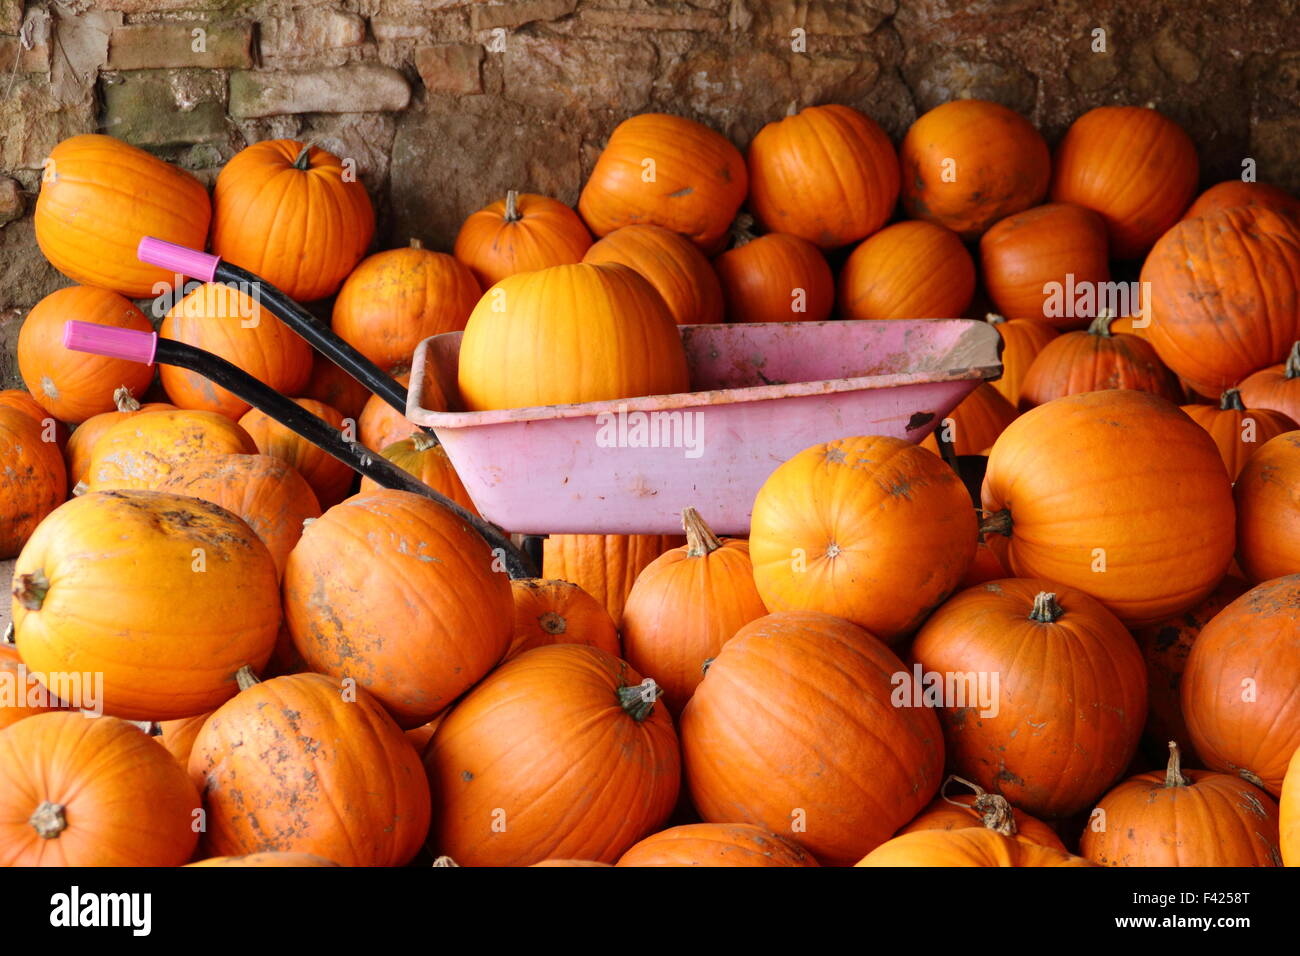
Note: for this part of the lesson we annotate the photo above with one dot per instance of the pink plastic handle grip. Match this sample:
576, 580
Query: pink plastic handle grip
108, 340
179, 259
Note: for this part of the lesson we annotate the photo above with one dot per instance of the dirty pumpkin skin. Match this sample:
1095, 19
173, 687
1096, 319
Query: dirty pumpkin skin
416, 615
32, 479
142, 451
290, 766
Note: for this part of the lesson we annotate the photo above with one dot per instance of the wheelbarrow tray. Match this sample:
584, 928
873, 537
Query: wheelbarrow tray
762, 392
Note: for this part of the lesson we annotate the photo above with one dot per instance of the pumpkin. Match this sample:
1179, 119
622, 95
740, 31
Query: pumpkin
1022, 340
716, 844
968, 163
194, 597
99, 196
1183, 818
1237, 432
272, 498
558, 612
521, 233
1289, 815
328, 477
1064, 717
910, 270
21, 400
793, 729
1022, 255
1234, 192
1225, 295
380, 425
394, 300
1267, 494
971, 846
141, 451
982, 809
331, 775
1241, 686
871, 529
293, 215
672, 264
24, 696
73, 386
267, 859
33, 481
422, 456
416, 615
670, 172
177, 736
420, 737
1093, 360
571, 863
685, 605
1116, 480
580, 333
1276, 388
1165, 646
80, 792
986, 567
559, 753
775, 278
82, 441
827, 174
334, 387
974, 425
604, 565
1135, 167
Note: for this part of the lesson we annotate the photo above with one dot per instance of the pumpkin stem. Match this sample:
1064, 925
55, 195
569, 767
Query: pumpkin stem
445, 861
1292, 368
1045, 610
303, 160
792, 109
124, 401
708, 662
742, 230
553, 623
994, 809
992, 318
1230, 401
1251, 777
1174, 771
48, 820
30, 589
245, 678
512, 205
997, 523
1101, 324
700, 539
639, 699
423, 441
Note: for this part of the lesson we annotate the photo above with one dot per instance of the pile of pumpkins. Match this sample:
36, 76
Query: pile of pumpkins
1096, 664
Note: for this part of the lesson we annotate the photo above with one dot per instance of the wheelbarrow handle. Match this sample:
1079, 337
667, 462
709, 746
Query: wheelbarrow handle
147, 348
183, 260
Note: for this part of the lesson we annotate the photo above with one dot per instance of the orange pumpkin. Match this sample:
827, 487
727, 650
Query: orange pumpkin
1120, 480
142, 450
827, 174
982, 809
521, 233
1022, 340
416, 616
194, 597
910, 270
569, 863
794, 729
1237, 432
716, 844
20, 701
1234, 192
51, 428
99, 196
177, 736
422, 456
81, 444
266, 859
329, 478
872, 529
1183, 818
668, 171
559, 753
336, 388
79, 792
1135, 167
604, 565
73, 386
986, 567
1289, 816
672, 264
558, 612
380, 425
394, 300
581, 333
1276, 388
1267, 494
968, 163
267, 493
775, 278
223, 320
971, 846
1024, 253
1241, 687
685, 605
33, 481
976, 423
1094, 360
331, 775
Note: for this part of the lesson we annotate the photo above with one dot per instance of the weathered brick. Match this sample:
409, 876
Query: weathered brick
35, 60
166, 107
451, 67
147, 46
563, 73
655, 20
308, 31
132, 7
514, 13
350, 89
389, 30
11, 16
11, 200
819, 17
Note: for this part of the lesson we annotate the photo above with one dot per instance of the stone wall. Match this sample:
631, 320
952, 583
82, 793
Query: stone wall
444, 104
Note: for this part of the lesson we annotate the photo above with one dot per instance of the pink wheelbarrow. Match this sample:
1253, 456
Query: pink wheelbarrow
761, 393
